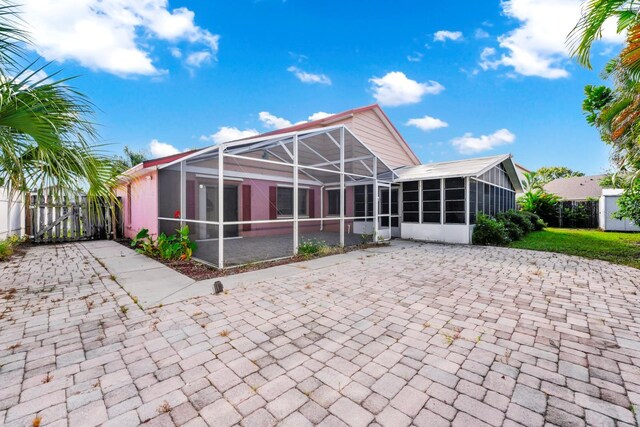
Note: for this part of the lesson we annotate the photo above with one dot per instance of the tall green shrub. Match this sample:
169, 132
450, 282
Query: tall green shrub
489, 231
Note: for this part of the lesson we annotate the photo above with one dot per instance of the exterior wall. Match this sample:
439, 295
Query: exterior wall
12, 218
609, 205
447, 233
371, 130
142, 210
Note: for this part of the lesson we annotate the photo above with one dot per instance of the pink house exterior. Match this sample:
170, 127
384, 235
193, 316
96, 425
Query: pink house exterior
140, 196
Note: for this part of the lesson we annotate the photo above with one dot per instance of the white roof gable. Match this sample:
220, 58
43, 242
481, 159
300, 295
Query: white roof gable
460, 168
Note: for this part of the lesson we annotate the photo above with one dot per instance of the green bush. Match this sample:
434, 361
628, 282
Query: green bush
514, 231
542, 204
6, 249
173, 247
536, 222
523, 222
575, 217
310, 247
489, 231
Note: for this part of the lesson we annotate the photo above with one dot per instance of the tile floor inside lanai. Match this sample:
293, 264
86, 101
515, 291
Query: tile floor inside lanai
426, 335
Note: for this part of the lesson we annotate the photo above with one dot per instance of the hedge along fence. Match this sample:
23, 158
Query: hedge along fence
573, 214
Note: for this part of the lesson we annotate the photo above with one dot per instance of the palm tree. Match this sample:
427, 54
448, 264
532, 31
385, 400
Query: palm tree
47, 139
130, 158
589, 29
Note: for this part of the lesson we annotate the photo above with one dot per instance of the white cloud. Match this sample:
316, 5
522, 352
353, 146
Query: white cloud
444, 35
538, 47
111, 35
270, 121
175, 52
196, 59
273, 122
416, 57
481, 34
427, 123
468, 144
396, 89
226, 133
161, 149
319, 115
306, 77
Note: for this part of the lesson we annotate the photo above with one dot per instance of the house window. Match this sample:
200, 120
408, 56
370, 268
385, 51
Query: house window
454, 201
334, 202
284, 197
410, 201
431, 201
363, 202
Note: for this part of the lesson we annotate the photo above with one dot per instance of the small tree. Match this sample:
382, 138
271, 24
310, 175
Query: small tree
549, 173
629, 204
540, 203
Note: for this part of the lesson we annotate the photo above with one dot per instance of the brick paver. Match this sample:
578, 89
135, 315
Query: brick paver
426, 335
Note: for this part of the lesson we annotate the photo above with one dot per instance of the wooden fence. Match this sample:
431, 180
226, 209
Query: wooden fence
51, 220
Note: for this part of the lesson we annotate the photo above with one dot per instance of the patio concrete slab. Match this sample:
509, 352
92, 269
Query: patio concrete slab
148, 280
153, 283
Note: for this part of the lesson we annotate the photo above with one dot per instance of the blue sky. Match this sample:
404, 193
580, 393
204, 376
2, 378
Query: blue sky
184, 74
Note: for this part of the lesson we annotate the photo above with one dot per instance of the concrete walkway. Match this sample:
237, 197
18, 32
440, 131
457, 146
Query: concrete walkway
425, 335
153, 283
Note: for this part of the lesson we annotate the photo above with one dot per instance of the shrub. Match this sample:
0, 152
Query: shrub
6, 249
542, 204
575, 217
489, 231
536, 222
512, 228
517, 218
311, 247
172, 247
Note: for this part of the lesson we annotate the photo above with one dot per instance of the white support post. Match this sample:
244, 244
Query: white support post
221, 206
442, 201
322, 208
296, 198
183, 192
390, 212
420, 205
342, 187
376, 201
467, 204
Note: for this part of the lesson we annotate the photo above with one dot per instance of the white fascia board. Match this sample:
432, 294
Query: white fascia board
246, 175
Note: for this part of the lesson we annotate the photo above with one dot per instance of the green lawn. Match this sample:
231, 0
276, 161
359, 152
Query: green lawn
619, 248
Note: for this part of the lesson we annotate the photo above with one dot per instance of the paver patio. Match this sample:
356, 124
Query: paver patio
426, 335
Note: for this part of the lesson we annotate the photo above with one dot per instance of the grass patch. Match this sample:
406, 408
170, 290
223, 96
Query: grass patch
618, 248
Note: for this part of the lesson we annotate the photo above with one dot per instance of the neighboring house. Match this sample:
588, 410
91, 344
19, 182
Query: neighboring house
12, 218
581, 189
576, 188
343, 179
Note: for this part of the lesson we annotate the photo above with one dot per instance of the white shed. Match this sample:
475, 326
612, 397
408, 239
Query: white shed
607, 206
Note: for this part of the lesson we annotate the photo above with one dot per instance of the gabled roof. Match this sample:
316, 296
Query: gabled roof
324, 122
331, 120
576, 188
459, 168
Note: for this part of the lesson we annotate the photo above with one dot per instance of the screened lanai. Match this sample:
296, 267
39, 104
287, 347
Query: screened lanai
262, 198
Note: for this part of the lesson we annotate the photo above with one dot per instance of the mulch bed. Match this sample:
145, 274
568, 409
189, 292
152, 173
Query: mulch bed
199, 271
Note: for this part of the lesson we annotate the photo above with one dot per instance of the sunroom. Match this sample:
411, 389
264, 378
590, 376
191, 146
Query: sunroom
440, 201
261, 198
